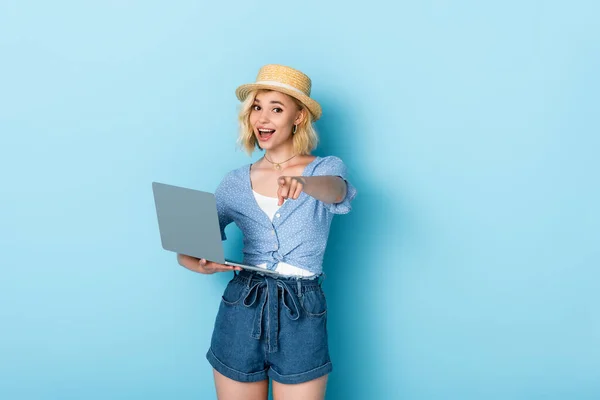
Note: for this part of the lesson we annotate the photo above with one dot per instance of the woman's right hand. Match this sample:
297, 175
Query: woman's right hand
203, 266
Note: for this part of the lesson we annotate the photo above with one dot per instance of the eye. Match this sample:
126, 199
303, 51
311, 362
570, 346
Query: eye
256, 107
277, 110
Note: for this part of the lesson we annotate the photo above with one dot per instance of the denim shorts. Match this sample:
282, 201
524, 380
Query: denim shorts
271, 327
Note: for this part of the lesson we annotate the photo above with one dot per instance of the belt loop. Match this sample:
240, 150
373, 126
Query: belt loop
322, 278
299, 283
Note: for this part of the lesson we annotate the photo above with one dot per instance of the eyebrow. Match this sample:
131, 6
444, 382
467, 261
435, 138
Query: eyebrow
272, 102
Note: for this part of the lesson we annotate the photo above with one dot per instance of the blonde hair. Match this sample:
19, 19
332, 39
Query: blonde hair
305, 139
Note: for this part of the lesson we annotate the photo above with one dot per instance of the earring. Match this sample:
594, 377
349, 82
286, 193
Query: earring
294, 130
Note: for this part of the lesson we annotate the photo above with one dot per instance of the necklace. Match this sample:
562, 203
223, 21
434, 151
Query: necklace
277, 166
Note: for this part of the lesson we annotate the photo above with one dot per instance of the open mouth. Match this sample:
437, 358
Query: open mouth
265, 134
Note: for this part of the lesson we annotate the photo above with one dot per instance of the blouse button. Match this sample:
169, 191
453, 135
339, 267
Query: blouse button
278, 215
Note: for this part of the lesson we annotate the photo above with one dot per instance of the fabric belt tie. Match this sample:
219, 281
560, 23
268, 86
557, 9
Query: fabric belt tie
264, 295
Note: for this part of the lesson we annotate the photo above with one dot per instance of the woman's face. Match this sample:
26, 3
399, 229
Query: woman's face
273, 117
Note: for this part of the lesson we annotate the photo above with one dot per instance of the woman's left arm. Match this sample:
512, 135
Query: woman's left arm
329, 189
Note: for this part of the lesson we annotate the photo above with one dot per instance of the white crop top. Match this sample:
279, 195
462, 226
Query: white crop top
270, 206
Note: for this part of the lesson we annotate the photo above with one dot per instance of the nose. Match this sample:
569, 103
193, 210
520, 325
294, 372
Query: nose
263, 117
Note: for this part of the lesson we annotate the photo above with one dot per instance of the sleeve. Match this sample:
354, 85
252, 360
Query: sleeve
335, 166
221, 196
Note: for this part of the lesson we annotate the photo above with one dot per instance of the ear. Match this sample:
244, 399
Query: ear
300, 116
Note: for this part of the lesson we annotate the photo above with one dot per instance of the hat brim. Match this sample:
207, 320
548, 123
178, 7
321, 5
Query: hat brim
315, 108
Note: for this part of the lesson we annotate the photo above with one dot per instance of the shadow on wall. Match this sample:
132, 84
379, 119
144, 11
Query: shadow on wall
353, 261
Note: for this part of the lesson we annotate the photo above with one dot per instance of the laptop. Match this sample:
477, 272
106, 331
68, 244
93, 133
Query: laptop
189, 224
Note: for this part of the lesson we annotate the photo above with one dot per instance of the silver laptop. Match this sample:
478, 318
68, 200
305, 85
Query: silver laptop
189, 224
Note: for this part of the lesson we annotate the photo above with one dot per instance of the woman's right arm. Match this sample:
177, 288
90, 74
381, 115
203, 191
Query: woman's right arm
202, 266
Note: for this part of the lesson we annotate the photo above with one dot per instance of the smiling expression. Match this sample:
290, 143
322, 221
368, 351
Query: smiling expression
273, 117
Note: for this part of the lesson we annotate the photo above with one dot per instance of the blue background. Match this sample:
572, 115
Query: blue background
468, 268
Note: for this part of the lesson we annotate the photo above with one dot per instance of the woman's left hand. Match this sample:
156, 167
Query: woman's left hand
290, 187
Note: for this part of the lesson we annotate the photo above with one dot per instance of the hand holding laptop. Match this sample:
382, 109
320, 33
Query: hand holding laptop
189, 224
203, 266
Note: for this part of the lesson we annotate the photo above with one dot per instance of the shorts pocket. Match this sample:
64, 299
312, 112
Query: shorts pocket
314, 303
234, 292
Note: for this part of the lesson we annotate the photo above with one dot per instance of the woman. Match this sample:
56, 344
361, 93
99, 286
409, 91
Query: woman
275, 325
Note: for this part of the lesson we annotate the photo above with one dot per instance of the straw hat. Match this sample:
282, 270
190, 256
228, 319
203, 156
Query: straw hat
286, 80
